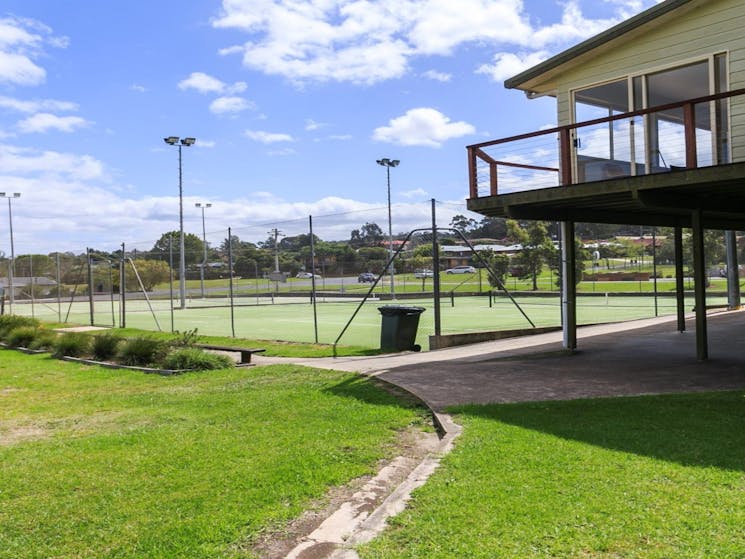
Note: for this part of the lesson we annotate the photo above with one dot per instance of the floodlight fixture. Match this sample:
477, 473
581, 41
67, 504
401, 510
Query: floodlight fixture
388, 163
11, 267
203, 206
176, 141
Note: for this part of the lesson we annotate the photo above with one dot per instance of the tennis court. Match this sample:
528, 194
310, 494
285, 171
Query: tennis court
294, 319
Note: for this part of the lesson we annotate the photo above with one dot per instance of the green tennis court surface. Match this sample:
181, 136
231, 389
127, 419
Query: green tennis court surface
292, 318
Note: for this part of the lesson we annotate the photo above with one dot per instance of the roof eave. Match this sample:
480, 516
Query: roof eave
594, 42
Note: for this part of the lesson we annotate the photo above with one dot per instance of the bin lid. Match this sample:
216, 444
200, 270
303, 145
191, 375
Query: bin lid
399, 310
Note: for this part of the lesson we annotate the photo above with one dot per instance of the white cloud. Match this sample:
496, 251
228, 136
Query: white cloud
507, 64
138, 88
22, 40
44, 122
268, 137
20, 70
230, 105
28, 161
422, 127
24, 106
202, 82
311, 124
415, 193
363, 42
437, 76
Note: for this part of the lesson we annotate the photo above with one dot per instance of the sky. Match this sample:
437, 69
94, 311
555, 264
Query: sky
291, 103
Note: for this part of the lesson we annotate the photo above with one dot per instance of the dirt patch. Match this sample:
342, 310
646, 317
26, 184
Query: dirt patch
412, 446
21, 433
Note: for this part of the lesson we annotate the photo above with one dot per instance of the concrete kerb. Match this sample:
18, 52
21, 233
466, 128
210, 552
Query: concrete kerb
351, 524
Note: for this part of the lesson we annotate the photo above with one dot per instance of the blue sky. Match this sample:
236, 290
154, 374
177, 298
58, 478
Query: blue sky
291, 103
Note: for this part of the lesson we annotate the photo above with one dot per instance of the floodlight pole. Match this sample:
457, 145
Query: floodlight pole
204, 244
11, 271
176, 141
388, 163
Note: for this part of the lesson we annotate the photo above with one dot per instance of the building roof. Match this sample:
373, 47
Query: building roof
522, 80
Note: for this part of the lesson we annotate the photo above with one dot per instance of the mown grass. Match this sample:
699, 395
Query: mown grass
649, 477
100, 463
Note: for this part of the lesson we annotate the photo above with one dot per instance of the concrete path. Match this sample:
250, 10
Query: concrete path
631, 358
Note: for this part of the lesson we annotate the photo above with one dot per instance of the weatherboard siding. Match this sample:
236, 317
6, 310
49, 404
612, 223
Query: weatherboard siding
711, 28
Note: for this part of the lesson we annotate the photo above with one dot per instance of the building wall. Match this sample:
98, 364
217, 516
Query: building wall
710, 27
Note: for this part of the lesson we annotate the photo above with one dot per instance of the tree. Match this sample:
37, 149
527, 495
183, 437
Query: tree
193, 248
499, 265
536, 248
369, 235
581, 255
463, 224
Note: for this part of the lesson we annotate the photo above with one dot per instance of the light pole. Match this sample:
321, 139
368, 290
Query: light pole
11, 271
388, 163
172, 141
204, 244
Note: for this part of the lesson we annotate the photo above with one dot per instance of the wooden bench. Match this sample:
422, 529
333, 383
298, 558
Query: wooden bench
245, 352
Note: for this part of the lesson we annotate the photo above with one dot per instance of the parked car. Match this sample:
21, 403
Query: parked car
461, 270
424, 274
307, 275
366, 277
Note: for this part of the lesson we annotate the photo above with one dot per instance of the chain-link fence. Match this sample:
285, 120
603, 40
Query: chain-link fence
318, 279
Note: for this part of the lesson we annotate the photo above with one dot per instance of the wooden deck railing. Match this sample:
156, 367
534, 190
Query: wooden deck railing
478, 156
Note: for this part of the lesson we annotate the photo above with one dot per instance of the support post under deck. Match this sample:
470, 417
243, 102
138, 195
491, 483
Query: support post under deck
679, 280
699, 279
569, 285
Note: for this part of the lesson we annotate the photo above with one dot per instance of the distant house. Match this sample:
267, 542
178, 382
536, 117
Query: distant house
651, 116
459, 255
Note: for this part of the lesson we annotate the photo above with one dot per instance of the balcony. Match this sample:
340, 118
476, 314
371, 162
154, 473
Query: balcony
652, 166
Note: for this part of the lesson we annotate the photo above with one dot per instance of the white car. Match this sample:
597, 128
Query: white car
419, 274
461, 270
307, 275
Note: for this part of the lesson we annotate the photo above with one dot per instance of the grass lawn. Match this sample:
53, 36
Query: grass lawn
647, 477
99, 463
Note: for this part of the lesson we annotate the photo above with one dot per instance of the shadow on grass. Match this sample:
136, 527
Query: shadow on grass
704, 429
374, 391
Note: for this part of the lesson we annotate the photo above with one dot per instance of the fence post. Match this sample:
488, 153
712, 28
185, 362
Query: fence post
436, 271
90, 283
313, 276
230, 275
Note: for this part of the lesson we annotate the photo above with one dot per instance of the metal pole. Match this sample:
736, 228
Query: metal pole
182, 255
204, 245
699, 285
390, 233
123, 289
11, 268
170, 278
90, 283
59, 294
313, 276
436, 272
230, 270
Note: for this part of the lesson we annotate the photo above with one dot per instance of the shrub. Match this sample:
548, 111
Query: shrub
104, 347
72, 344
186, 339
45, 339
196, 359
10, 322
141, 351
23, 336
